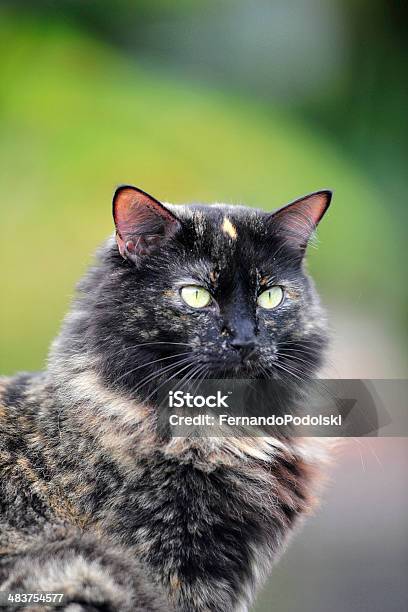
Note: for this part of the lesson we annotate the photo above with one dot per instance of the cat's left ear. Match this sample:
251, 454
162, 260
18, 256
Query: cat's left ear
142, 223
297, 221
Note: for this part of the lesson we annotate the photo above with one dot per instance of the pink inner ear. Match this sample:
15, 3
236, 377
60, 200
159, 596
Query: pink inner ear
142, 223
125, 211
314, 207
298, 220
135, 212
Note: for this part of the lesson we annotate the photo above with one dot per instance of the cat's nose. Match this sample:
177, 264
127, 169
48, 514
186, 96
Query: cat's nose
245, 346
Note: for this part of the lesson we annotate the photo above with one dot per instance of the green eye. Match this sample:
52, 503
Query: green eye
271, 298
196, 297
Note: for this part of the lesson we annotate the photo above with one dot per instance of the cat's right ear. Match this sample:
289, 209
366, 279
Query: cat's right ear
142, 223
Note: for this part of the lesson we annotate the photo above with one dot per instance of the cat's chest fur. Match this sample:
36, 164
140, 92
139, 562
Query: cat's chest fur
210, 534
207, 517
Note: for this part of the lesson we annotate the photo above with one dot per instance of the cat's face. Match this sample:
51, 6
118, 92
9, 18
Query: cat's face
206, 291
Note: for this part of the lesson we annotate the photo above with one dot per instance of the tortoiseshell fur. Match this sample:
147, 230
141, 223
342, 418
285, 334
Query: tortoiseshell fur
93, 503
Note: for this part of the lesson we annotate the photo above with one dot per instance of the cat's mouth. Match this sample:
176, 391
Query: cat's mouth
225, 364
238, 368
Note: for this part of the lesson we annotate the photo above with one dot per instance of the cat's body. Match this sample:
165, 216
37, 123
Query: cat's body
87, 481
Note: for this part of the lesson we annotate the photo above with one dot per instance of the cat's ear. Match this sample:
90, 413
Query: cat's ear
297, 221
142, 223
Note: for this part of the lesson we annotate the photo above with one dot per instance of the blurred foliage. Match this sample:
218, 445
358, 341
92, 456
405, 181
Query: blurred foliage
278, 51
365, 112
77, 118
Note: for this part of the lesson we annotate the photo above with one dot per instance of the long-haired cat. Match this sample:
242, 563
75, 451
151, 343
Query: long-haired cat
94, 502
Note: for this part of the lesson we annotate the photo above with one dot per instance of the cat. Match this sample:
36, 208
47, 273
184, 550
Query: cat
95, 503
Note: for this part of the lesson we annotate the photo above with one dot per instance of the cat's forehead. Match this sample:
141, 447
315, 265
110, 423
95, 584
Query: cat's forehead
222, 239
219, 220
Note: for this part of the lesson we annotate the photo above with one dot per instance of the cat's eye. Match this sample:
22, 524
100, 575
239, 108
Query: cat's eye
195, 296
271, 298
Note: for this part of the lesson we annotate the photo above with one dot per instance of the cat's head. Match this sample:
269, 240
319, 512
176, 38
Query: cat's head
205, 291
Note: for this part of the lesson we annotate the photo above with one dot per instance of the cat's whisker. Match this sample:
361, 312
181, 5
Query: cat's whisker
190, 376
151, 377
296, 351
148, 344
165, 381
184, 380
196, 372
144, 365
307, 353
202, 373
304, 344
288, 361
288, 371
290, 356
166, 369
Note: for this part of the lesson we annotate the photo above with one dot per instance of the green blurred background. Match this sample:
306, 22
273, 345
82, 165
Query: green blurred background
253, 102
